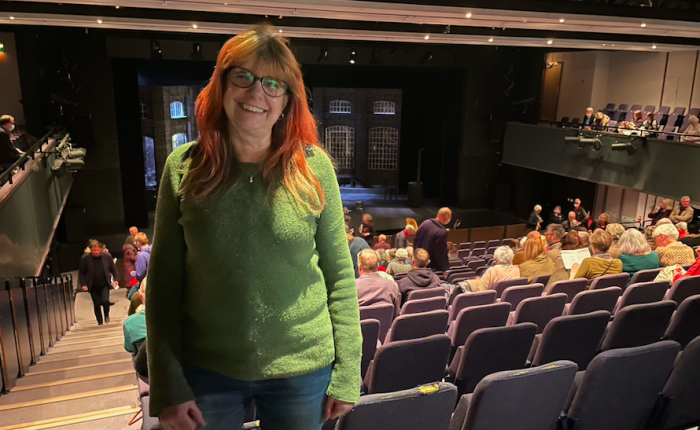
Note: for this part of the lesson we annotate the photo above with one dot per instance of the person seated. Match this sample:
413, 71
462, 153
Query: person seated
381, 243
635, 253
615, 231
383, 258
135, 325
571, 222
515, 246
601, 121
535, 220
401, 238
692, 133
650, 122
634, 124
537, 262
682, 228
420, 277
693, 237
409, 259
520, 256
555, 217
569, 242
356, 245
600, 263
372, 288
399, 266
452, 251
660, 212
584, 236
588, 118
602, 222
671, 252
502, 270
141, 361
683, 212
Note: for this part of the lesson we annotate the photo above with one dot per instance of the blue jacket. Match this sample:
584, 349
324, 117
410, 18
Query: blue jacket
142, 263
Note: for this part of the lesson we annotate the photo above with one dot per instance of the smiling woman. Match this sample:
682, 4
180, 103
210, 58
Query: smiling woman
221, 335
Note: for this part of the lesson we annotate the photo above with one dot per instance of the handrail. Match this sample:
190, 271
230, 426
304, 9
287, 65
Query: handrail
7, 175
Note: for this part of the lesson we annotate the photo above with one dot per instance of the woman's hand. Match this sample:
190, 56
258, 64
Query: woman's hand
186, 416
335, 408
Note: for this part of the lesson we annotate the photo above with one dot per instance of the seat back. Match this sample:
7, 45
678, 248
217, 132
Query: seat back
643, 292
467, 300
427, 293
540, 310
597, 300
515, 295
542, 279
370, 335
414, 326
406, 364
682, 391
608, 281
383, 313
465, 245
459, 277
479, 244
461, 253
529, 399
501, 286
685, 324
570, 288
490, 350
664, 110
424, 305
649, 108
636, 107
475, 264
475, 318
610, 106
572, 337
493, 243
506, 241
638, 325
684, 288
491, 250
644, 276
411, 409
620, 387
679, 111
623, 107
477, 252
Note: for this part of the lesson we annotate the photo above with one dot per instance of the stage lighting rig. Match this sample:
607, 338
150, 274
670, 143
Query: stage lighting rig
68, 159
624, 146
582, 142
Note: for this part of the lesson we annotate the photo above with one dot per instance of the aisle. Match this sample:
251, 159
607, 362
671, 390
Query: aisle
85, 381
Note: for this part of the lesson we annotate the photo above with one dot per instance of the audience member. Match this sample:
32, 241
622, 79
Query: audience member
569, 242
95, 275
420, 277
399, 266
372, 288
692, 133
514, 245
693, 237
535, 219
588, 118
401, 238
682, 228
683, 212
650, 122
381, 243
133, 231
383, 258
502, 270
602, 222
555, 217
585, 237
144, 256
452, 251
537, 262
520, 256
600, 263
635, 253
392, 255
135, 325
601, 121
367, 228
432, 236
581, 214
356, 244
637, 120
555, 233
409, 251
571, 222
661, 211
615, 231
671, 251
8, 153
130, 254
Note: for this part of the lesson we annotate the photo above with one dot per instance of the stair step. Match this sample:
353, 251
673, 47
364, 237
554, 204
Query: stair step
94, 330
87, 370
68, 342
66, 389
80, 405
60, 348
91, 417
59, 362
120, 422
86, 336
85, 351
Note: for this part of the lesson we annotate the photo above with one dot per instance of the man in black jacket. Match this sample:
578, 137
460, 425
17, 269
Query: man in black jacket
432, 236
581, 214
8, 153
94, 276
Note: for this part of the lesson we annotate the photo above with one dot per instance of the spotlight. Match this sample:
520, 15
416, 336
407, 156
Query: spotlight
12, 18
352, 56
468, 15
643, 25
561, 20
427, 37
550, 41
196, 52
99, 21
323, 55
582, 142
653, 46
426, 58
194, 26
491, 40
156, 53
626, 146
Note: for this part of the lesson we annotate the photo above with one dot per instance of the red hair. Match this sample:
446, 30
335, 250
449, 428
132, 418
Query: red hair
215, 158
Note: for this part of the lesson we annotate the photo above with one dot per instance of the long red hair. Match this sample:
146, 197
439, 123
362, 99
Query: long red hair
215, 158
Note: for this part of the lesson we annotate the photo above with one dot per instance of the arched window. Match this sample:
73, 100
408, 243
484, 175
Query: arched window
176, 110
340, 106
179, 139
340, 144
384, 108
383, 148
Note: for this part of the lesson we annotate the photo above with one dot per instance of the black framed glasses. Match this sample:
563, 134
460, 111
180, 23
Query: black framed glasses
243, 78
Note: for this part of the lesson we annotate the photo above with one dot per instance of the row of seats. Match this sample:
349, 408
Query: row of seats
34, 314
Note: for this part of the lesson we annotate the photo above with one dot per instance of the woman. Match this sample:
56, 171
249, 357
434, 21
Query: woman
400, 266
616, 230
367, 228
635, 253
502, 270
452, 253
601, 263
537, 262
601, 121
535, 220
650, 122
383, 258
682, 228
602, 222
556, 217
224, 330
130, 253
662, 211
569, 242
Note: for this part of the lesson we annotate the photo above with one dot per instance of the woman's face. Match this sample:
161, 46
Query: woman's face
663, 205
251, 110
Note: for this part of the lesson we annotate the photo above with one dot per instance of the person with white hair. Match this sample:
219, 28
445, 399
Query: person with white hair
683, 212
399, 266
671, 251
635, 252
535, 220
661, 211
570, 222
401, 239
682, 228
381, 243
588, 118
372, 288
616, 230
692, 133
502, 270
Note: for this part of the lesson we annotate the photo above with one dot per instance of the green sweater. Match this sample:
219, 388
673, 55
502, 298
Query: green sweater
250, 285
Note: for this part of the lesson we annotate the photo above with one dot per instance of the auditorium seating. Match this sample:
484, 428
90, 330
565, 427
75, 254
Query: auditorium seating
608, 281
474, 318
501, 286
538, 310
685, 324
383, 313
638, 325
645, 276
570, 288
370, 336
414, 326
424, 305
683, 288
467, 300
643, 292
426, 294
594, 300
515, 295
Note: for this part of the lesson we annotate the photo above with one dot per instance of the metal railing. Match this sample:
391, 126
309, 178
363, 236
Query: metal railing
6, 176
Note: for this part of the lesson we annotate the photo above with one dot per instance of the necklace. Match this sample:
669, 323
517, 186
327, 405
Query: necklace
250, 179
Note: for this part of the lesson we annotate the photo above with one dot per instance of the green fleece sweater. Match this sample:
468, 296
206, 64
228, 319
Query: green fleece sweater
250, 285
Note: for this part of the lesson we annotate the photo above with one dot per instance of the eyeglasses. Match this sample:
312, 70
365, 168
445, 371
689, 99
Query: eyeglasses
243, 78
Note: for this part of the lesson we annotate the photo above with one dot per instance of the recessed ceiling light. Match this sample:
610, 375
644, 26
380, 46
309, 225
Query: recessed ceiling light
12, 18
99, 21
644, 25
194, 26
117, 6
280, 30
468, 15
550, 41
491, 40
613, 44
561, 20
351, 61
603, 44
653, 46
426, 37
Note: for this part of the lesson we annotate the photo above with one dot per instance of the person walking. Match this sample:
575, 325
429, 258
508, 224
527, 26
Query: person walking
432, 236
94, 277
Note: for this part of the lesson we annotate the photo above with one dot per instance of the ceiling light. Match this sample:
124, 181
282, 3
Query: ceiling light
653, 46
12, 18
613, 44
99, 21
352, 56
281, 16
280, 30
117, 6
491, 40
351, 61
644, 25
468, 15
194, 26
561, 20
603, 44
550, 41
323, 55
426, 37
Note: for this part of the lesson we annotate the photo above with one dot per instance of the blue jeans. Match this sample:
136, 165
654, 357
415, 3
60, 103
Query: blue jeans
283, 404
